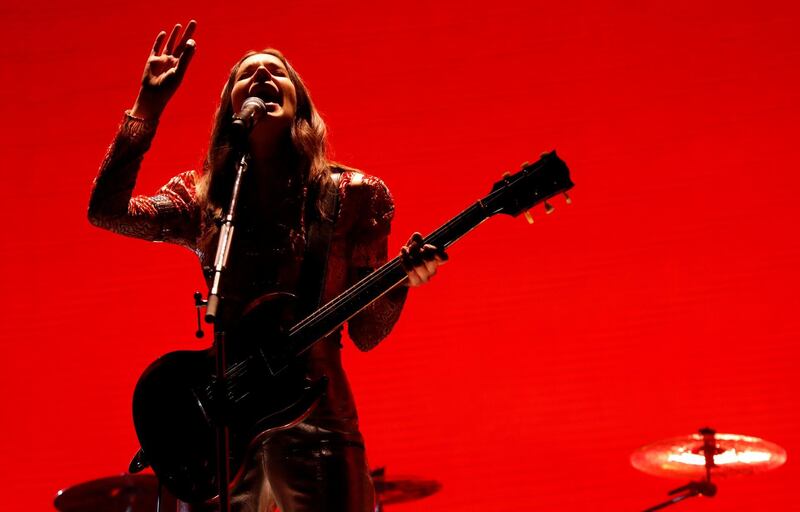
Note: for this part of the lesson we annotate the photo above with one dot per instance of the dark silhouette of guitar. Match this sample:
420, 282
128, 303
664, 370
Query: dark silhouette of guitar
176, 406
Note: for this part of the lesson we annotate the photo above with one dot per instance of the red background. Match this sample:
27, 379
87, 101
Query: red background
663, 300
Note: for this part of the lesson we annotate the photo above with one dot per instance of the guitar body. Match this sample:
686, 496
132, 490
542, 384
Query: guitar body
176, 410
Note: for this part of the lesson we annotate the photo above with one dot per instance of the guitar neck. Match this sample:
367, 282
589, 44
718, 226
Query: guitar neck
330, 316
512, 195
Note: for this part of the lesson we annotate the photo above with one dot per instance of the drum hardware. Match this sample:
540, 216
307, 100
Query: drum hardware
704, 455
121, 493
400, 490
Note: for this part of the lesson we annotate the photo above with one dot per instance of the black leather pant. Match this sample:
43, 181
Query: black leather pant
304, 469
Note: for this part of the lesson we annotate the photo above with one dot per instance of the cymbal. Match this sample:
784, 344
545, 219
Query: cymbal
121, 493
402, 490
683, 457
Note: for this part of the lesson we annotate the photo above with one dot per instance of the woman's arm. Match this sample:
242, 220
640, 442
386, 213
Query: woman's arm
370, 251
171, 213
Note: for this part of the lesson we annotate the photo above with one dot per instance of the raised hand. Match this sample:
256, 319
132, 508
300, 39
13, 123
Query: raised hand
164, 70
420, 261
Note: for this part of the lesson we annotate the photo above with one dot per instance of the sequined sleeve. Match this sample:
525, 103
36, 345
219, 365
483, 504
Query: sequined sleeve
170, 215
366, 201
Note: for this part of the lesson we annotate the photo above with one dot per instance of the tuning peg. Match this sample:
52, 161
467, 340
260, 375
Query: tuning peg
567, 198
506, 174
524, 164
548, 208
528, 216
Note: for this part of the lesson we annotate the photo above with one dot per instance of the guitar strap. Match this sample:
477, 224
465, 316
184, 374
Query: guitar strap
314, 269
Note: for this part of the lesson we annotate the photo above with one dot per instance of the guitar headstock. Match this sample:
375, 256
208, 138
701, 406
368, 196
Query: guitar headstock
533, 184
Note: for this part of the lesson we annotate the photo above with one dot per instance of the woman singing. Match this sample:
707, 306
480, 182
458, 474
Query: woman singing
319, 464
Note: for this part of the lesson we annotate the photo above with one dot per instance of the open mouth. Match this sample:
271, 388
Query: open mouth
266, 92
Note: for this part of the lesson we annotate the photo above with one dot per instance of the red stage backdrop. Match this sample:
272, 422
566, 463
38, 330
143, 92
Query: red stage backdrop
663, 300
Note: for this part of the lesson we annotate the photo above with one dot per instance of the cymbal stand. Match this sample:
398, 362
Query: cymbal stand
690, 490
702, 487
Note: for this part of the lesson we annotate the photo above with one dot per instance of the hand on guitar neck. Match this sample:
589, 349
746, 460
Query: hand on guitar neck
420, 261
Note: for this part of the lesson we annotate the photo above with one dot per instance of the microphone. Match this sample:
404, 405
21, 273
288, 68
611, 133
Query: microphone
253, 109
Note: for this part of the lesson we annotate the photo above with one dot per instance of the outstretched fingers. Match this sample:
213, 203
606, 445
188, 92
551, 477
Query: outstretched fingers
174, 46
158, 43
185, 58
184, 42
173, 36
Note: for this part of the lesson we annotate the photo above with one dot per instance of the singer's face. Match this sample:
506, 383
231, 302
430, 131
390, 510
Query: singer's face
264, 76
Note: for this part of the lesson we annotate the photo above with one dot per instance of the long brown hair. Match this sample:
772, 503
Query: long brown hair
307, 140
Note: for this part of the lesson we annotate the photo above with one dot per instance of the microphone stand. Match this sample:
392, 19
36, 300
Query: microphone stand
212, 307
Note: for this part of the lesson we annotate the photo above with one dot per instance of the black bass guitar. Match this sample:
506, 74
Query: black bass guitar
176, 403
